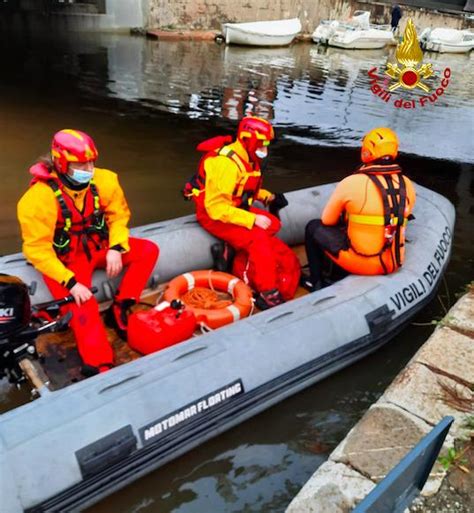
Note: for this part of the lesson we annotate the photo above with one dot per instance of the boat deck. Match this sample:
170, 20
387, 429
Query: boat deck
59, 356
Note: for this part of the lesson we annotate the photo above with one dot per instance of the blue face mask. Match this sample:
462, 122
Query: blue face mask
262, 153
81, 176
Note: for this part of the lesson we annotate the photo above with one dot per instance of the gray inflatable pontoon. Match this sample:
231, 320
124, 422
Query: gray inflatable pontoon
71, 447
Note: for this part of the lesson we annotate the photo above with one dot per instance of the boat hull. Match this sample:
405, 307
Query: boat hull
444, 40
350, 37
278, 33
74, 446
360, 44
433, 46
361, 39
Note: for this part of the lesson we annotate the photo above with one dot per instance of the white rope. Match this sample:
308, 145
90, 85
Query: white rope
253, 307
209, 280
204, 328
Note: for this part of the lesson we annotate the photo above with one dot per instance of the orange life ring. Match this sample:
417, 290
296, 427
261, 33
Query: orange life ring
223, 282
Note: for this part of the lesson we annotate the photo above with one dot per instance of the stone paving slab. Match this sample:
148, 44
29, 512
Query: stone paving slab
335, 488
461, 315
450, 352
429, 396
383, 436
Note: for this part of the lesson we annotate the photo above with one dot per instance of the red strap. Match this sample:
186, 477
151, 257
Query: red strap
214, 143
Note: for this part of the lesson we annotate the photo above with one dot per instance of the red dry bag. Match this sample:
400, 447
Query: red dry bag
161, 327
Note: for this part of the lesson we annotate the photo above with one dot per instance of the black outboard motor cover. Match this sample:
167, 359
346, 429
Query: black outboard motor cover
15, 307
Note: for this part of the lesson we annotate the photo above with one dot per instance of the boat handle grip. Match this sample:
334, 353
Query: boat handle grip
280, 316
121, 381
190, 352
152, 229
15, 260
321, 299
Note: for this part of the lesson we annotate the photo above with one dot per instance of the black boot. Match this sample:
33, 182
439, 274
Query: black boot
116, 316
269, 299
222, 256
307, 284
89, 370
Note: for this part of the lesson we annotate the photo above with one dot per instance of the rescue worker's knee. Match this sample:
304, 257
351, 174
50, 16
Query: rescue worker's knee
259, 238
145, 249
312, 227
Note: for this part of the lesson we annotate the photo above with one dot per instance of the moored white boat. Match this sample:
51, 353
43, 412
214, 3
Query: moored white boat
262, 33
446, 40
355, 34
324, 31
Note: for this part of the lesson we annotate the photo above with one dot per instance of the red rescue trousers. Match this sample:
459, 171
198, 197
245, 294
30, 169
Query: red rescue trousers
90, 333
256, 242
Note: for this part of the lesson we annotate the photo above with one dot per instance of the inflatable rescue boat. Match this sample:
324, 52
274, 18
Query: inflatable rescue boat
83, 439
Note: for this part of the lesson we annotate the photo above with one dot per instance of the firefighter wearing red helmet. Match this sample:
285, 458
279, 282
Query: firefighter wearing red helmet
224, 189
73, 219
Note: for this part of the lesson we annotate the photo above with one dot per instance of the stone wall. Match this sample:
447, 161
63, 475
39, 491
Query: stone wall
94, 15
209, 14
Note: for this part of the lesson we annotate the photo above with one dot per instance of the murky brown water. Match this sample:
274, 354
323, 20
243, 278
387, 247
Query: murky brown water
148, 104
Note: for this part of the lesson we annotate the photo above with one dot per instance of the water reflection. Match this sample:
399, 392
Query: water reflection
320, 95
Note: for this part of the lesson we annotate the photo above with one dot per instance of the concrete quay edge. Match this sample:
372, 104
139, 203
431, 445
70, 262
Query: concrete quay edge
437, 381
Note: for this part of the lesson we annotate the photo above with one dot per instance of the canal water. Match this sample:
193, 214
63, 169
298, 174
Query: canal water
147, 104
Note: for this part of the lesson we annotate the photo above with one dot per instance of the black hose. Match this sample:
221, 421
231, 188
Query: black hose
59, 302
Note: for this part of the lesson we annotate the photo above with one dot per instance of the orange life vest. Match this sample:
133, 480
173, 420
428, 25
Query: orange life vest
394, 199
250, 177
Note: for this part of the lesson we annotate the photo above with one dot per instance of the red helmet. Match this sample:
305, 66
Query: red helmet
72, 146
254, 133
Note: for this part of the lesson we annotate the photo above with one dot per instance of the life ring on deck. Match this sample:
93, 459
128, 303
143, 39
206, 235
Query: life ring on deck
223, 282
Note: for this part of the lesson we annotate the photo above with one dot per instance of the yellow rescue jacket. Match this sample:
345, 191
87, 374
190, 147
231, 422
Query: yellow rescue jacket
38, 212
225, 183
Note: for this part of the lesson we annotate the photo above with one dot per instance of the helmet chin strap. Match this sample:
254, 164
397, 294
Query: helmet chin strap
253, 152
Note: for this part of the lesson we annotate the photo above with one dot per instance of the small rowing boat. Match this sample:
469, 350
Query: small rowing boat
262, 33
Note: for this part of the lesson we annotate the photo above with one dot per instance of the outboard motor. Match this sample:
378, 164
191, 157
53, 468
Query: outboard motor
15, 319
15, 307
19, 328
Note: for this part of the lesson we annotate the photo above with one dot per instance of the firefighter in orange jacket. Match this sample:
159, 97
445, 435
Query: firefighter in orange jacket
229, 180
74, 219
362, 228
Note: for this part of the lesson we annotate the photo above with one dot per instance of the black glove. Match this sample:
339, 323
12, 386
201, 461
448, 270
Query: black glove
278, 203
